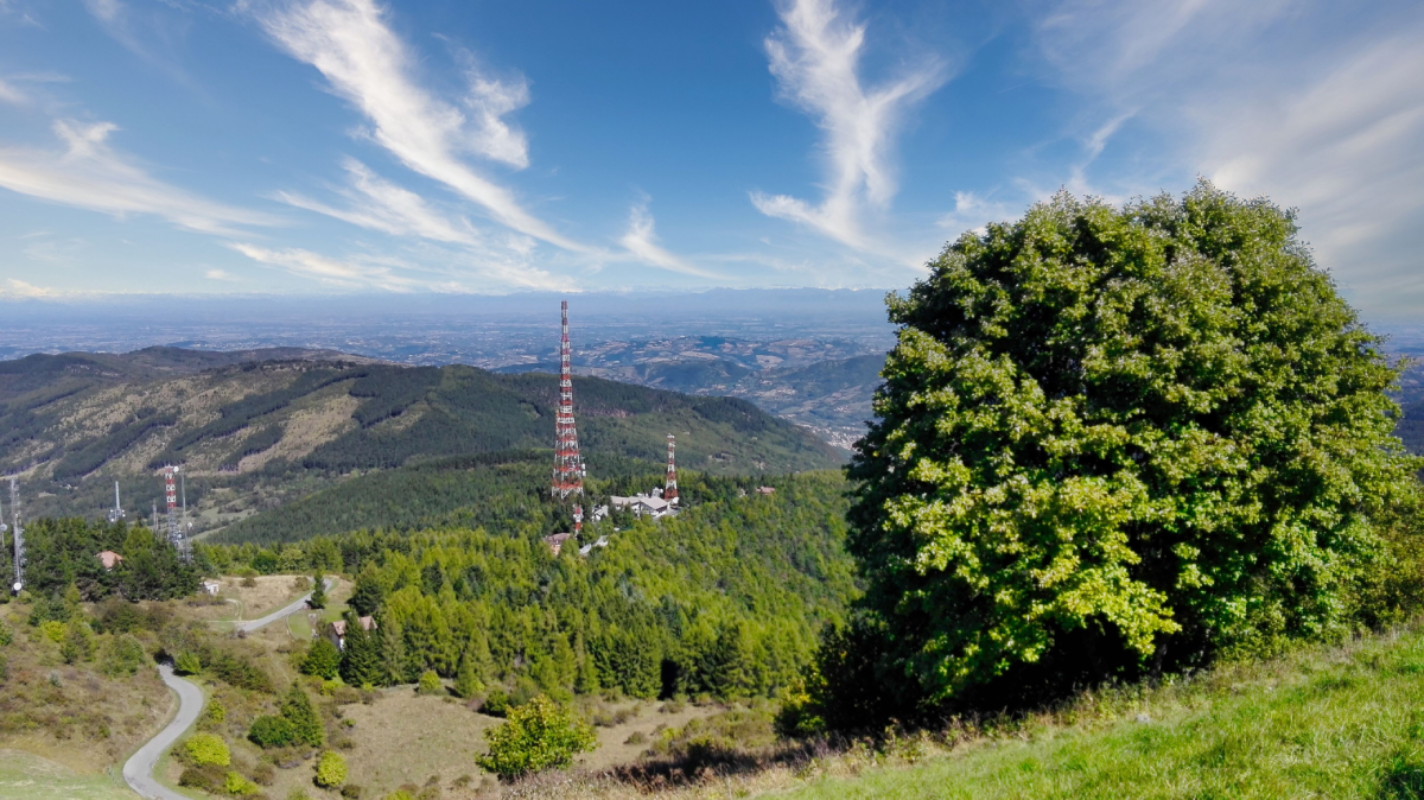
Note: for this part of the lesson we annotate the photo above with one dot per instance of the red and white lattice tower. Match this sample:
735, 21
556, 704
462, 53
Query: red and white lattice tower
170, 491
568, 465
670, 488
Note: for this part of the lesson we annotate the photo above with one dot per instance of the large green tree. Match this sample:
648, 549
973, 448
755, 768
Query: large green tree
1111, 439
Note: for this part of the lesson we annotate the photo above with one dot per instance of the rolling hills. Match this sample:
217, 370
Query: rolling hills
256, 430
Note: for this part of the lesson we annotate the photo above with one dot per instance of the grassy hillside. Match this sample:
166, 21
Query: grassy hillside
1340, 723
254, 435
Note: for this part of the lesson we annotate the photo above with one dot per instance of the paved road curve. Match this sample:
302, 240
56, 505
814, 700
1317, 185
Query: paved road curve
286, 611
138, 770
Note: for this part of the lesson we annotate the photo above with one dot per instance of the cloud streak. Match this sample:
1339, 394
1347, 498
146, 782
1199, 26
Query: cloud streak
365, 63
642, 242
378, 204
815, 56
89, 174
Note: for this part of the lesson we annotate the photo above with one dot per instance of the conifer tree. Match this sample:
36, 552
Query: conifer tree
318, 595
306, 723
395, 665
323, 659
467, 679
361, 660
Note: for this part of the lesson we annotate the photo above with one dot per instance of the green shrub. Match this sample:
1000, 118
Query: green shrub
330, 770
214, 714
270, 731
536, 736
122, 656
187, 664
429, 684
207, 748
6, 635
78, 644
323, 659
238, 786
53, 630
497, 704
209, 778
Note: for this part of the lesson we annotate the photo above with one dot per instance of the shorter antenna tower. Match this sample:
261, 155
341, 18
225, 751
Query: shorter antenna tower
19, 535
117, 512
670, 487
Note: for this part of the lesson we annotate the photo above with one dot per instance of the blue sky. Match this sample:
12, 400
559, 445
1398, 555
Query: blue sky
317, 146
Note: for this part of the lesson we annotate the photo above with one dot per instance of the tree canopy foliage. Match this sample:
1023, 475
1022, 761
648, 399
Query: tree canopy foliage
1115, 439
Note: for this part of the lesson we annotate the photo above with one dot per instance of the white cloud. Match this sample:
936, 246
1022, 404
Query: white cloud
89, 174
9, 94
641, 241
378, 204
219, 275
16, 289
364, 62
815, 57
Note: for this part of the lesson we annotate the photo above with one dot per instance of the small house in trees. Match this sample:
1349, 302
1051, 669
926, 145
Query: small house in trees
766, 490
338, 630
212, 588
556, 541
109, 559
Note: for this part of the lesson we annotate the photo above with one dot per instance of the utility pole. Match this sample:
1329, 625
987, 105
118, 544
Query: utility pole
18, 529
175, 533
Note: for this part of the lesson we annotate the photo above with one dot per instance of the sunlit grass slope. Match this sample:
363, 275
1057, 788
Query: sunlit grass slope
1341, 723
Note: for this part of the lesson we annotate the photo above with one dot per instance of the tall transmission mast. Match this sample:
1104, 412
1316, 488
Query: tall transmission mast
175, 533
670, 487
568, 465
19, 535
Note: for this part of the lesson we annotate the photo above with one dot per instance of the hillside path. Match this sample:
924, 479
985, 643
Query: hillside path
281, 613
138, 770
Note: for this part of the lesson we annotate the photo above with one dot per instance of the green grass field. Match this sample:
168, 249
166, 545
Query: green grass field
29, 777
1341, 723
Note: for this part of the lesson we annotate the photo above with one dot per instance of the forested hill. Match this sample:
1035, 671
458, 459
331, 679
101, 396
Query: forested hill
256, 434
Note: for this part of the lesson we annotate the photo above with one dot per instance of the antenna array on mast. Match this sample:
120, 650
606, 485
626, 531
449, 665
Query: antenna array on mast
670, 487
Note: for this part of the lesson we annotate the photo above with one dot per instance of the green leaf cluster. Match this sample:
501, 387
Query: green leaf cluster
207, 748
538, 735
1115, 439
330, 770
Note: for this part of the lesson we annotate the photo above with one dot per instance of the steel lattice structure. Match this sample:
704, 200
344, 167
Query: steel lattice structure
568, 464
175, 531
670, 487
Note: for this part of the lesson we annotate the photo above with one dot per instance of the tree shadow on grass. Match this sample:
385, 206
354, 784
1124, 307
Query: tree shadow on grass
1403, 780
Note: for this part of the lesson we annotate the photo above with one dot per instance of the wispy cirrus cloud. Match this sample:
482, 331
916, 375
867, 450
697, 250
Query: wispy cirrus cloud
9, 94
816, 59
378, 204
89, 174
642, 242
345, 273
364, 62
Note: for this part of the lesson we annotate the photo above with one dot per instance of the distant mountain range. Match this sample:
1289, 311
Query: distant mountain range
258, 429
